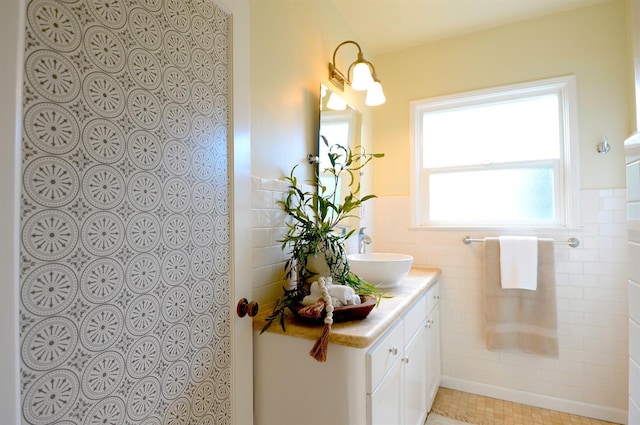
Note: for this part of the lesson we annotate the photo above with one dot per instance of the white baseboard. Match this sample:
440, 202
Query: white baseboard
547, 402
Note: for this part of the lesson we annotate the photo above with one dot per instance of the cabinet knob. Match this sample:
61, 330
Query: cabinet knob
405, 359
394, 350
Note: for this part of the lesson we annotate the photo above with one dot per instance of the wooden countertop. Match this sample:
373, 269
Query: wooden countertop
362, 333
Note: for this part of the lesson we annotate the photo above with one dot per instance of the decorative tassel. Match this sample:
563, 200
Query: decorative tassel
313, 311
320, 348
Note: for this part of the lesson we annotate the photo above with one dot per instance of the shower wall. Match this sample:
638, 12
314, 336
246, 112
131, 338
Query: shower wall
124, 256
590, 375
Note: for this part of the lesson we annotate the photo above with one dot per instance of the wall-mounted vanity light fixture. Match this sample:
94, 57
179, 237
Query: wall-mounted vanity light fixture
364, 77
604, 147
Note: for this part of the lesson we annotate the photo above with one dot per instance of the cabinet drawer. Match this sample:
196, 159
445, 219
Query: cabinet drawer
383, 355
433, 296
415, 318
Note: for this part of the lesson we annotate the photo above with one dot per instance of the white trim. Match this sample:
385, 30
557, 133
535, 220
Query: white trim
12, 24
565, 87
240, 164
571, 144
483, 96
589, 410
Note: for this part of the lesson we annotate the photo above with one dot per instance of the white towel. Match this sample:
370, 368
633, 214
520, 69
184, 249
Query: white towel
312, 299
519, 262
341, 295
315, 286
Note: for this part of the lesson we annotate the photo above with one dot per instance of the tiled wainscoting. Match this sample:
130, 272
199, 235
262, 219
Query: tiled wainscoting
590, 376
267, 228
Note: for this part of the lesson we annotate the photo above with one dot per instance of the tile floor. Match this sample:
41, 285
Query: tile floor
479, 410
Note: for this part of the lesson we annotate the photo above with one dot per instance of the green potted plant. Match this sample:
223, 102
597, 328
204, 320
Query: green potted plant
313, 226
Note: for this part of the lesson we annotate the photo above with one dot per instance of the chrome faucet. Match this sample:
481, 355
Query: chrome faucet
363, 241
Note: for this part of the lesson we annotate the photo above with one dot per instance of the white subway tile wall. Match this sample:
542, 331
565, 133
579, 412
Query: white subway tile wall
591, 295
268, 228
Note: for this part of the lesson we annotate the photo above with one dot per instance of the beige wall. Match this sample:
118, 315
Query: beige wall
590, 43
633, 12
292, 43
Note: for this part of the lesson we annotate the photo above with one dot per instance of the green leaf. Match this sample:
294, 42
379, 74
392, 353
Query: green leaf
311, 218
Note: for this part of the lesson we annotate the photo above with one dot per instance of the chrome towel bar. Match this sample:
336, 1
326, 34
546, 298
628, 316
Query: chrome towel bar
572, 242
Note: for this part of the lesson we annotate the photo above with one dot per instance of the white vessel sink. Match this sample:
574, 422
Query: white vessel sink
381, 269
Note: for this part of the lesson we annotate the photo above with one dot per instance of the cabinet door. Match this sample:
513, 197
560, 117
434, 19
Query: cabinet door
384, 404
433, 349
415, 378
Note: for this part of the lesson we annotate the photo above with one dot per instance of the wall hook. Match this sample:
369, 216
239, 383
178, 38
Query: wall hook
604, 147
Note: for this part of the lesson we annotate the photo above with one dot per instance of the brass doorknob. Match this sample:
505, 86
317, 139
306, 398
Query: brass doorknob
245, 307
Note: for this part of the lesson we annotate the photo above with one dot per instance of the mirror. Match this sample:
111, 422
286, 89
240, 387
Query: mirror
339, 124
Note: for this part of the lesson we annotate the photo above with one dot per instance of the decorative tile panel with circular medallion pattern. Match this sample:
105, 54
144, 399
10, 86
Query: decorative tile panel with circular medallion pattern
125, 217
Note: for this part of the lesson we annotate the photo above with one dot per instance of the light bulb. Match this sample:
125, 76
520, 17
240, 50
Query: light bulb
362, 78
375, 95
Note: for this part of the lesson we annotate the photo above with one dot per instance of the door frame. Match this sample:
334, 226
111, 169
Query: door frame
12, 24
240, 170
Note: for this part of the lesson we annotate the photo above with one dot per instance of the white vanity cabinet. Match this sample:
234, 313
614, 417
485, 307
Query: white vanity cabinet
397, 371
434, 370
377, 369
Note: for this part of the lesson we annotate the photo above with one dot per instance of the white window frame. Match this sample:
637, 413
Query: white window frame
567, 195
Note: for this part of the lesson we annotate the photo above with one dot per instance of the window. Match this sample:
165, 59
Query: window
498, 157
